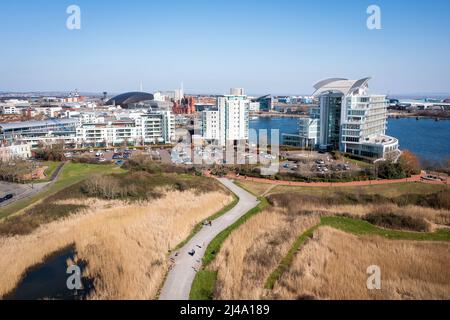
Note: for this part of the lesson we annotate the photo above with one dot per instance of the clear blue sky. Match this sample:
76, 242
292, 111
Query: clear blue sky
278, 47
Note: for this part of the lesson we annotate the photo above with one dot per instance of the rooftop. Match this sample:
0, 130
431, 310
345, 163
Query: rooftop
34, 123
344, 86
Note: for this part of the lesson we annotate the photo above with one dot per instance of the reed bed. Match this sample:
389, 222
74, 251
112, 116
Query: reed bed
125, 244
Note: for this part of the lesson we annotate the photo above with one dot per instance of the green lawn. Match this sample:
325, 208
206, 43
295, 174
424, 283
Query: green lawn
51, 167
203, 285
361, 227
387, 190
359, 163
71, 173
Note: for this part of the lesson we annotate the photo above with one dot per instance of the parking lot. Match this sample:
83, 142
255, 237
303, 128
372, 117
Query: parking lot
120, 155
311, 163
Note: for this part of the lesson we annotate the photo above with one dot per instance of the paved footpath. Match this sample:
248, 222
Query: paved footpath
179, 280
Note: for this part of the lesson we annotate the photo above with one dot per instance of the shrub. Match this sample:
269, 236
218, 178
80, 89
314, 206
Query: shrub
393, 221
390, 170
409, 163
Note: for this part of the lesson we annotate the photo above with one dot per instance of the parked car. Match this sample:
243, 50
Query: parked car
9, 196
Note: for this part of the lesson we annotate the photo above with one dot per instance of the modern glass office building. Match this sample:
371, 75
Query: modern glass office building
351, 120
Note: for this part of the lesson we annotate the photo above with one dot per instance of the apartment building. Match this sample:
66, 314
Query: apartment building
138, 129
13, 106
228, 122
10, 152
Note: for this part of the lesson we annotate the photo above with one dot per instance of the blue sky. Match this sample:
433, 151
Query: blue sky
278, 47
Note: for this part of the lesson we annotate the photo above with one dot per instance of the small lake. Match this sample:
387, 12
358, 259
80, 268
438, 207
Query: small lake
48, 281
427, 138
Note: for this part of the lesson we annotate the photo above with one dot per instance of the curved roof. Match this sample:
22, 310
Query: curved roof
127, 98
341, 85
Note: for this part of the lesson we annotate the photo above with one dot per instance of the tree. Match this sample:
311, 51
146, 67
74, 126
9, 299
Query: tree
390, 170
53, 152
409, 163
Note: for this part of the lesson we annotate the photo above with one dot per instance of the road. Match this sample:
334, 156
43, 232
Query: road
22, 191
179, 280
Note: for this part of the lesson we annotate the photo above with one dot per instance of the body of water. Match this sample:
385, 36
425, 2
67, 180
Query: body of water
427, 138
48, 281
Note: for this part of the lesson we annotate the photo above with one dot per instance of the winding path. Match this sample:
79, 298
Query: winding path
179, 280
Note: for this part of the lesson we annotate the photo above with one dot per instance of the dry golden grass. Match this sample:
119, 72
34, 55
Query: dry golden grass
125, 245
257, 188
251, 252
333, 266
436, 218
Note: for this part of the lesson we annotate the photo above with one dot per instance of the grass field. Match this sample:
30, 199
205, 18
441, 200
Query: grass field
255, 188
287, 260
51, 167
359, 163
355, 227
72, 173
251, 252
389, 190
240, 256
203, 285
363, 228
130, 187
333, 265
124, 243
